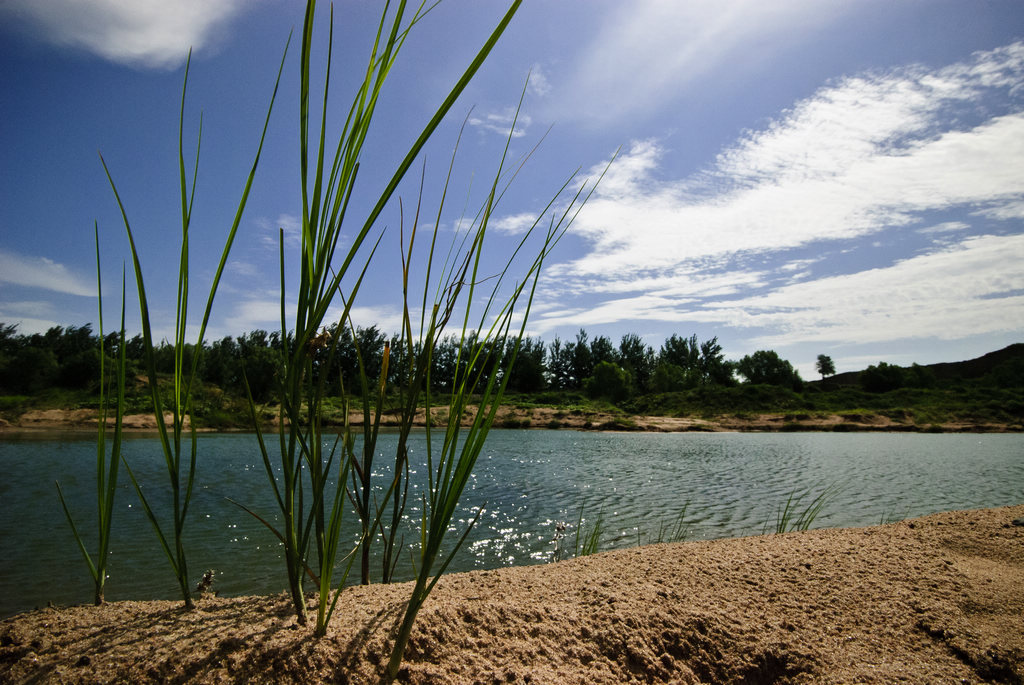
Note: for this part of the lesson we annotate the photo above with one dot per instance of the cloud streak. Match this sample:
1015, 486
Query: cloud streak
40, 272
501, 123
287, 227
652, 47
263, 311
975, 287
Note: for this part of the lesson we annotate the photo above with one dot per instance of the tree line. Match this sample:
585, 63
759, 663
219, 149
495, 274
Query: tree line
69, 357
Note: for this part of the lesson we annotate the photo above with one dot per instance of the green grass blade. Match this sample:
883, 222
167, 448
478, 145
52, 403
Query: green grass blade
152, 518
229, 242
110, 485
432, 125
78, 537
147, 333
269, 526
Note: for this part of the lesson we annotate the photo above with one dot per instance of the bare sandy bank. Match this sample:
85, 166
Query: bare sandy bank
932, 600
85, 420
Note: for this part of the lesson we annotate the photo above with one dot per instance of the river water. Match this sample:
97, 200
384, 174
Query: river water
527, 481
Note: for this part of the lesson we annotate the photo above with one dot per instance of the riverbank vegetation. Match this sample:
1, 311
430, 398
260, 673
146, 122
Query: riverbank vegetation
584, 377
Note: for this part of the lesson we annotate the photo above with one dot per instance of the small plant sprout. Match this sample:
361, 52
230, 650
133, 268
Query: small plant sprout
676, 530
790, 517
591, 541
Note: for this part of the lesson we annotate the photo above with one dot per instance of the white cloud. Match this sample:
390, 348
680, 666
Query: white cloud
946, 227
248, 315
1004, 211
515, 223
744, 242
150, 33
27, 325
287, 225
539, 84
387, 319
861, 156
244, 269
639, 308
28, 315
666, 298
40, 272
973, 288
502, 123
703, 279
264, 311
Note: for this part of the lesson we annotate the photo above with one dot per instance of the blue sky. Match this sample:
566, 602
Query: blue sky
844, 178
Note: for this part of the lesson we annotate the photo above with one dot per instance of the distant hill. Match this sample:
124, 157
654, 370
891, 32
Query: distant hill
944, 371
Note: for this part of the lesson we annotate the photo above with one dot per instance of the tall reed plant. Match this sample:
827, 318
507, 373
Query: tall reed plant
179, 453
424, 325
320, 476
311, 516
106, 466
489, 326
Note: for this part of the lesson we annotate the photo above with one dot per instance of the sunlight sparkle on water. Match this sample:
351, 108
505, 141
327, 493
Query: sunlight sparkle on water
731, 483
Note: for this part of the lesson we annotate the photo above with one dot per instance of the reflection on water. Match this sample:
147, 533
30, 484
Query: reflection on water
526, 481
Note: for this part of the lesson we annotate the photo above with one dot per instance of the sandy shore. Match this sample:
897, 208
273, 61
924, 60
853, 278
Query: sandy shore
85, 420
932, 600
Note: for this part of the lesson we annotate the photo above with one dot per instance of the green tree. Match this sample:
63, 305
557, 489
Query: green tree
78, 360
825, 366
581, 359
367, 343
683, 352
602, 350
223, 366
80, 370
1008, 374
918, 376
33, 368
260, 355
638, 359
766, 367
527, 374
668, 378
444, 361
882, 378
714, 369
10, 343
559, 364
609, 381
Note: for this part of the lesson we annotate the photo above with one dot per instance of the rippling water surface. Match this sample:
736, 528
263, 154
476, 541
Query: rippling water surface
731, 484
